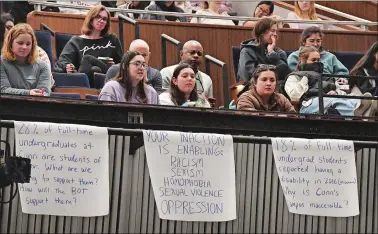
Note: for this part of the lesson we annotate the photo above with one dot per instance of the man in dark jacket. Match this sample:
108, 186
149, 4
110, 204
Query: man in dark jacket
262, 49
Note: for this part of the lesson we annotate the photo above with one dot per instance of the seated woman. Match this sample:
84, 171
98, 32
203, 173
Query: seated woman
22, 72
367, 66
182, 90
129, 86
313, 36
263, 9
168, 6
211, 8
302, 85
82, 53
262, 49
262, 95
304, 10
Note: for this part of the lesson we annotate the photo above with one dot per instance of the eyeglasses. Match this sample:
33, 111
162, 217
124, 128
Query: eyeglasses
193, 52
263, 10
140, 65
99, 17
9, 27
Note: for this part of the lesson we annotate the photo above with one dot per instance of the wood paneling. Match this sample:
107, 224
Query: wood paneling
216, 40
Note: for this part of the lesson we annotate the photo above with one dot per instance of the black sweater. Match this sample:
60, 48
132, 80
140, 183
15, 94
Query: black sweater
108, 46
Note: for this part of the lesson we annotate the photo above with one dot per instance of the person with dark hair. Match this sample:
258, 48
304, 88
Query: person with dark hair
303, 85
262, 95
168, 6
2, 33
262, 10
313, 36
366, 66
128, 85
182, 90
262, 49
8, 21
135, 5
95, 50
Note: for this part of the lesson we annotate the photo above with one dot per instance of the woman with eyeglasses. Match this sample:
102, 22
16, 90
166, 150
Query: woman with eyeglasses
182, 90
263, 9
94, 51
262, 95
128, 85
303, 85
303, 10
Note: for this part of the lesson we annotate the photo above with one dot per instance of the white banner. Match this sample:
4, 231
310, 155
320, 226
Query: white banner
318, 176
69, 175
192, 175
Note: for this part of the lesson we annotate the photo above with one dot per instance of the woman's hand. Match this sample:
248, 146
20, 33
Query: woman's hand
332, 92
271, 47
36, 92
70, 68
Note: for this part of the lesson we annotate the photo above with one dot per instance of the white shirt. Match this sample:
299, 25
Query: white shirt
78, 3
211, 21
293, 16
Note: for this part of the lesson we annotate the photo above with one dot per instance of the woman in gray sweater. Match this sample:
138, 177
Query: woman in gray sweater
22, 72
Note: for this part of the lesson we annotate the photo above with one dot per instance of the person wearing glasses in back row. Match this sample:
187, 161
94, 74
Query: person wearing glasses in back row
129, 86
94, 51
262, 95
192, 53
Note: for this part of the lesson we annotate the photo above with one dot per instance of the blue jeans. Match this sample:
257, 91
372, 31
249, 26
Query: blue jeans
343, 106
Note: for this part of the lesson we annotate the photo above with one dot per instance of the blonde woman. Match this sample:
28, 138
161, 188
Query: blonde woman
211, 8
22, 72
304, 10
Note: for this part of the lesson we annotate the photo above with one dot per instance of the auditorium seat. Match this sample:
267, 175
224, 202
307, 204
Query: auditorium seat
80, 90
91, 97
71, 79
61, 40
349, 59
99, 80
44, 41
65, 95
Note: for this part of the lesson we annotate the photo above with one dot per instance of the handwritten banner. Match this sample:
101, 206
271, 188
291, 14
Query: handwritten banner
69, 175
318, 176
192, 175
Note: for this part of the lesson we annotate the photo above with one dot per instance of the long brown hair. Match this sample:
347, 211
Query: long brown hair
177, 95
124, 78
87, 27
311, 13
13, 33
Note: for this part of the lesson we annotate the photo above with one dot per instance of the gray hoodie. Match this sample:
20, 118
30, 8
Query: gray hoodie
254, 53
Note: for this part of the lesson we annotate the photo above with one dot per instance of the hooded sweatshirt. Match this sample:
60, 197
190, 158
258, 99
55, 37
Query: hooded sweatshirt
254, 53
331, 64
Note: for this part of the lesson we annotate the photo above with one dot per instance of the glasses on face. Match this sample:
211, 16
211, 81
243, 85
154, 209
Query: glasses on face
265, 12
140, 65
193, 52
99, 18
9, 26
